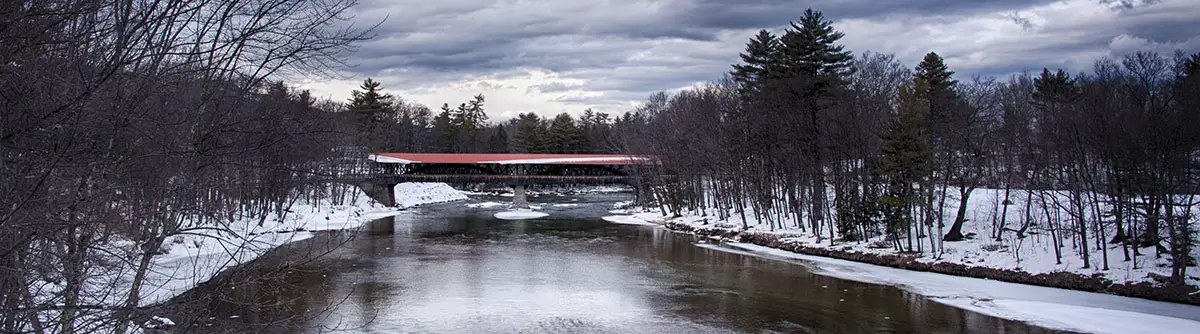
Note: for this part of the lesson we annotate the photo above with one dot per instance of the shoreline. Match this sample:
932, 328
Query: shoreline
1063, 280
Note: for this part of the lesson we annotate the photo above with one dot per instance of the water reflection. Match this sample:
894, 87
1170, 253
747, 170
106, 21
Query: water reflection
457, 270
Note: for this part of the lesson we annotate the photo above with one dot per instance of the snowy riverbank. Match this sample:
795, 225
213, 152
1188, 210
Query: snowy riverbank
1033, 259
193, 259
1047, 307
981, 257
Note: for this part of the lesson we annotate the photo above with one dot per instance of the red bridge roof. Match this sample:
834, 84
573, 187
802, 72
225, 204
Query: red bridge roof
513, 158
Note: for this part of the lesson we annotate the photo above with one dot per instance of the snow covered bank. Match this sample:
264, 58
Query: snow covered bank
1042, 306
1032, 258
195, 258
983, 258
853, 252
412, 194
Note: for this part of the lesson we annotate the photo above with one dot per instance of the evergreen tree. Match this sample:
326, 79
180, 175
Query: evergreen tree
564, 136
444, 132
811, 48
801, 94
467, 120
907, 157
595, 127
372, 111
498, 143
529, 134
938, 89
761, 52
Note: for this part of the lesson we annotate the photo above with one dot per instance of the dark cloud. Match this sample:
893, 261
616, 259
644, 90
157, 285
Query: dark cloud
552, 87
629, 48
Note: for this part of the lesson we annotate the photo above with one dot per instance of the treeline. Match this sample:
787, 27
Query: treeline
851, 148
391, 124
126, 122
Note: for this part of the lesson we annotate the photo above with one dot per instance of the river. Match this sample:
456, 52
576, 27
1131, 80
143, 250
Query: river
449, 268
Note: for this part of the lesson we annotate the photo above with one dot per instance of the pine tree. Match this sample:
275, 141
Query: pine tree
444, 132
498, 143
761, 52
371, 110
467, 120
529, 134
564, 136
907, 157
810, 48
803, 86
938, 89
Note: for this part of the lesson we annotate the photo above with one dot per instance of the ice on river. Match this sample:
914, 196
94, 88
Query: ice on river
520, 214
637, 219
485, 205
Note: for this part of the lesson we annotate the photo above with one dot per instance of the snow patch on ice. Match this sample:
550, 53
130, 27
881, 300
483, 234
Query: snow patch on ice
643, 218
520, 214
1079, 318
485, 205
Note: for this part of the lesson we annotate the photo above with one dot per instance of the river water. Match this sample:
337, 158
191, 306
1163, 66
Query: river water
453, 269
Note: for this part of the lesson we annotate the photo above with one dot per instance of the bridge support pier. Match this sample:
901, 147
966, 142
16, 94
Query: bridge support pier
519, 200
383, 193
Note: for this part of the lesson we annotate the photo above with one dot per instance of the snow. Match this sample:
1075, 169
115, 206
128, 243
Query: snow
1033, 254
412, 194
196, 257
1094, 320
157, 322
388, 160
520, 214
163, 320
486, 205
635, 219
1048, 307
566, 160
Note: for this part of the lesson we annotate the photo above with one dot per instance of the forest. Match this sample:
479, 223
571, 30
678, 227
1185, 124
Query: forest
804, 135
126, 123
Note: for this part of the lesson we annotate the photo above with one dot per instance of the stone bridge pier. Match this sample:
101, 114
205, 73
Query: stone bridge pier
519, 200
384, 193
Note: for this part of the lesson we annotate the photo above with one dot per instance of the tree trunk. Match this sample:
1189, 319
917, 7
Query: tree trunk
955, 233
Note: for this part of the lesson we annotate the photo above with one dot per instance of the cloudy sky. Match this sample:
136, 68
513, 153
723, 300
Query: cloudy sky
553, 56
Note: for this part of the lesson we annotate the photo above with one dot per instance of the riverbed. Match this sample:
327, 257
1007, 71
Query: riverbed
454, 268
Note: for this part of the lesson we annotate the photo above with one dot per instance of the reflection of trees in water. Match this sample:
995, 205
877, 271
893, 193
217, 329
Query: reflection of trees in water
284, 291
